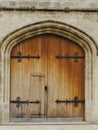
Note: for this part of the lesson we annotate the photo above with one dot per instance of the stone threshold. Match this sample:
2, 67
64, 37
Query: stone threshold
48, 121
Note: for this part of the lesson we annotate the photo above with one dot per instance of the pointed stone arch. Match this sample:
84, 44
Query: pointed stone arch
50, 27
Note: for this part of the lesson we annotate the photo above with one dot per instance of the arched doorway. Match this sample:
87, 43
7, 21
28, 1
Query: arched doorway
54, 28
47, 78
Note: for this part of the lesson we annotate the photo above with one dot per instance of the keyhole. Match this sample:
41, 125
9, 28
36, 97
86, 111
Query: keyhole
46, 88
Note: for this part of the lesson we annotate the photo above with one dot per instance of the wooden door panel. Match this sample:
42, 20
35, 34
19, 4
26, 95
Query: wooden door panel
28, 77
64, 77
36, 94
52, 75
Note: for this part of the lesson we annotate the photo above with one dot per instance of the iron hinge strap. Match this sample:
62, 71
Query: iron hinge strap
18, 102
75, 57
75, 101
27, 102
19, 56
28, 57
70, 57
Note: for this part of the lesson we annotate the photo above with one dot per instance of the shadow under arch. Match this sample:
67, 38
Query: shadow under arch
50, 27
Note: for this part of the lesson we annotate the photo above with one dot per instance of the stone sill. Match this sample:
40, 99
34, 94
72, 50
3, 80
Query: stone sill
48, 123
52, 121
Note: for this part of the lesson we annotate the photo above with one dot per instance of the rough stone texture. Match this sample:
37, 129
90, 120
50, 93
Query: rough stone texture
51, 4
13, 20
50, 127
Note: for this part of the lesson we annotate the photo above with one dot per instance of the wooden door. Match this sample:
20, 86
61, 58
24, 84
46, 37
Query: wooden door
46, 77
28, 78
65, 78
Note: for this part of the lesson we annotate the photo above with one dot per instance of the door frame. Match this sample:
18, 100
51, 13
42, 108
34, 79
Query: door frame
50, 27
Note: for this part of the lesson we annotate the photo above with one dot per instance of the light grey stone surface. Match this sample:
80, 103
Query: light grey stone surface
13, 20
51, 4
50, 127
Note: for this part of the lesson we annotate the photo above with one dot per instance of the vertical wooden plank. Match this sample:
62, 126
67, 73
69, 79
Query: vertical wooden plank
15, 83
62, 71
78, 76
37, 83
52, 44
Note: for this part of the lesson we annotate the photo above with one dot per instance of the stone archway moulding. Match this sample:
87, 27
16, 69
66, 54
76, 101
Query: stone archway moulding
50, 27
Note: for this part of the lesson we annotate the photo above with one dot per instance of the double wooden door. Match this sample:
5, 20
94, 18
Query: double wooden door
47, 78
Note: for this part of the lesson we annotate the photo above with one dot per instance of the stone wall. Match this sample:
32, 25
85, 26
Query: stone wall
51, 4
12, 20
50, 127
